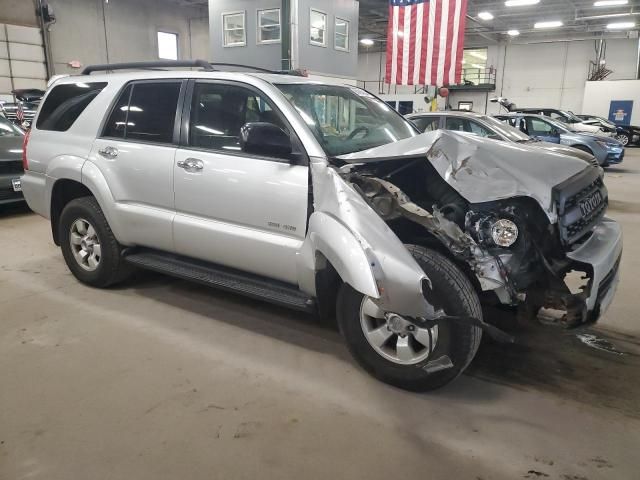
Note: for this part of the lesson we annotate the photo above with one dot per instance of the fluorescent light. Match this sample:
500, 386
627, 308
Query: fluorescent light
550, 24
209, 130
485, 16
479, 55
476, 65
520, 3
621, 25
367, 41
513, 33
609, 3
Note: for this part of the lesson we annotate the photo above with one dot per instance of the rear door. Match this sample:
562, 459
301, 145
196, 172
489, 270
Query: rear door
241, 210
135, 154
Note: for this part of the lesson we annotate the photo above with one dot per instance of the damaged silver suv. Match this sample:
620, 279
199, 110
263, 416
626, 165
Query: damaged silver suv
320, 198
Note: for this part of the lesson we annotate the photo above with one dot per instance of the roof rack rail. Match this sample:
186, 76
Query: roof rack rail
146, 65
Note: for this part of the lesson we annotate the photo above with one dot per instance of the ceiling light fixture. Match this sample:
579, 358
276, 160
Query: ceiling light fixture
520, 3
485, 16
367, 41
513, 33
621, 26
549, 24
610, 3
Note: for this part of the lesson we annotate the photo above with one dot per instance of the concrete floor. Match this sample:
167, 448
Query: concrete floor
162, 379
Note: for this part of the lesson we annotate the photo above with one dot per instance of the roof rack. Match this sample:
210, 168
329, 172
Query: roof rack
158, 64
147, 65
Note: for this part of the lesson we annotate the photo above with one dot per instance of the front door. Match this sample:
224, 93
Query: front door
240, 210
542, 130
135, 154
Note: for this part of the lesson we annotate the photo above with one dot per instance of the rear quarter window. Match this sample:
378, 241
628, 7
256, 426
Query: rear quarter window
65, 103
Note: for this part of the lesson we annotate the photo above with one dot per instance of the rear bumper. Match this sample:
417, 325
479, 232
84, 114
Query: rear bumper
601, 255
34, 188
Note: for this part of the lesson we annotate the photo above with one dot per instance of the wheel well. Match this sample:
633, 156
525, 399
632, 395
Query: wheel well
584, 148
63, 192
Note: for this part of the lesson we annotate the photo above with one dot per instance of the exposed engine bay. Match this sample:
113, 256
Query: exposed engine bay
508, 246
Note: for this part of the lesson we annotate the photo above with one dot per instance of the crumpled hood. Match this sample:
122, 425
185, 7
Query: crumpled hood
481, 169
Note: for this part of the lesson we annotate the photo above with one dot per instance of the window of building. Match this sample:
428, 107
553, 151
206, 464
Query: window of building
474, 66
65, 103
341, 35
219, 111
233, 27
145, 111
269, 26
168, 45
318, 28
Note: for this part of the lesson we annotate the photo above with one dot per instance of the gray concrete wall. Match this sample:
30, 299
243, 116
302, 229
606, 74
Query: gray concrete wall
327, 60
131, 29
254, 54
18, 12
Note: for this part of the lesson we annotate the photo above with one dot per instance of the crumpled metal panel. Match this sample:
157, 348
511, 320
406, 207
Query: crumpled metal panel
481, 169
390, 266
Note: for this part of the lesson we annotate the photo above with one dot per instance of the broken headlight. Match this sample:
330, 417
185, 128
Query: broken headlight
492, 229
504, 232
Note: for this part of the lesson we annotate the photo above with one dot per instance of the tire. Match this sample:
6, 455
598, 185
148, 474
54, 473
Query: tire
108, 267
623, 138
456, 340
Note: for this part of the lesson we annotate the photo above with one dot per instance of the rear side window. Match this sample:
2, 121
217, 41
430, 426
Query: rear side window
426, 124
145, 111
65, 103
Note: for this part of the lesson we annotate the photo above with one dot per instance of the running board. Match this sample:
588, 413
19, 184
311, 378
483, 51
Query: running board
217, 276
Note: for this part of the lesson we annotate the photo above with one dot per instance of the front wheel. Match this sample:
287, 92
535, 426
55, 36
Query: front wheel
623, 138
407, 353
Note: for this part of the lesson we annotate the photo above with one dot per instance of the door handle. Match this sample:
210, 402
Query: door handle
192, 164
108, 152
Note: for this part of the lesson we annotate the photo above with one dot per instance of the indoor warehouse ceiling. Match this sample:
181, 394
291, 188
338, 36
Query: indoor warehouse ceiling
490, 21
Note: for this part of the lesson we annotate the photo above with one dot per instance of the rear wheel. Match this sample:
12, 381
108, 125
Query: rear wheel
88, 245
403, 351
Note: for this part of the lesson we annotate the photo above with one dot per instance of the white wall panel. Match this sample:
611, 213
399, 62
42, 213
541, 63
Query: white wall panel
4, 51
4, 68
598, 96
28, 69
18, 33
23, 51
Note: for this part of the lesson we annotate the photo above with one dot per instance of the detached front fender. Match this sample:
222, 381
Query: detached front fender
328, 236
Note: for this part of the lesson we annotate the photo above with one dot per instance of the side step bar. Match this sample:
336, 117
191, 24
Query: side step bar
247, 284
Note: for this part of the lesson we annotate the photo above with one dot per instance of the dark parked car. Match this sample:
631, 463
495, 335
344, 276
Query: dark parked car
486, 126
627, 134
10, 162
29, 99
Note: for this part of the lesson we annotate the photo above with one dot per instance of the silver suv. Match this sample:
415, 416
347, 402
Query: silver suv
321, 198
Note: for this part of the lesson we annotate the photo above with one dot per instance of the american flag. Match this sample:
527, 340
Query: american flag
20, 113
424, 41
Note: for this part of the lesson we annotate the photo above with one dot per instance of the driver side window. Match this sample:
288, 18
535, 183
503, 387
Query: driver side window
536, 126
219, 111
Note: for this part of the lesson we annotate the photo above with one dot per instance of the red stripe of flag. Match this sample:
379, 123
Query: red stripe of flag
401, 41
436, 44
412, 44
425, 36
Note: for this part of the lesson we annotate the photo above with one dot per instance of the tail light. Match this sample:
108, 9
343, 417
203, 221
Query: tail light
25, 162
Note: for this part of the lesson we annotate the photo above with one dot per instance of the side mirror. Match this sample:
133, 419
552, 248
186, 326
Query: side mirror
494, 136
262, 138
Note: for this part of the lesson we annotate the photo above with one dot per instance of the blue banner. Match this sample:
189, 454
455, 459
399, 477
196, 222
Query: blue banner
620, 111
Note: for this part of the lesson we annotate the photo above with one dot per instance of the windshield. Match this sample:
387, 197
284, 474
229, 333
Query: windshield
562, 127
570, 117
346, 119
8, 129
505, 130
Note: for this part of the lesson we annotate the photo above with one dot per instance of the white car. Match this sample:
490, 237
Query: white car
321, 198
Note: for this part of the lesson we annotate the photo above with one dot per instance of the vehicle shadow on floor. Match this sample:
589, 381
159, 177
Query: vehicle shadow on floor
14, 210
544, 358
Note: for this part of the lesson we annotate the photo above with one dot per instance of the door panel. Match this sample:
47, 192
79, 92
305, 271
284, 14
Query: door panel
234, 209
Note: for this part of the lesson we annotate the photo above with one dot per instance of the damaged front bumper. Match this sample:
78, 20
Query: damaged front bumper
599, 256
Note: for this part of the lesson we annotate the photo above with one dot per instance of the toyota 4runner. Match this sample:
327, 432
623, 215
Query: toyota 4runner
322, 198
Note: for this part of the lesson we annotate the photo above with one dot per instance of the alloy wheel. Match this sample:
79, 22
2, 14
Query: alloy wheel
85, 245
394, 337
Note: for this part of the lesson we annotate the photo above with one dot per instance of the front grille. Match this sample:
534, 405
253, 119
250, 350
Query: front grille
7, 168
9, 194
574, 225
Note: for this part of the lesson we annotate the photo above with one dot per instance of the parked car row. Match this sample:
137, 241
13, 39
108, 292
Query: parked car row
627, 134
523, 127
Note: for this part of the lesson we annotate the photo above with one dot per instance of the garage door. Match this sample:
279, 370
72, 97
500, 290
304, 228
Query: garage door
21, 59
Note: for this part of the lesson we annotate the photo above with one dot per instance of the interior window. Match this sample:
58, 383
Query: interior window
269, 25
219, 111
427, 124
318, 28
465, 125
536, 126
234, 30
145, 111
